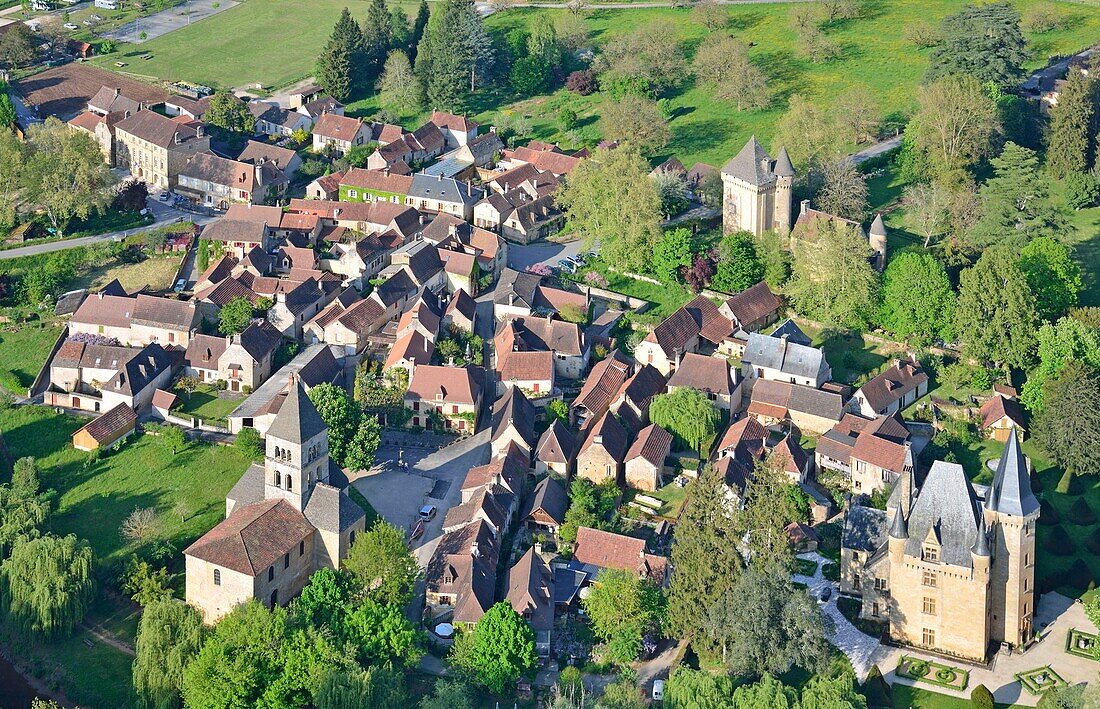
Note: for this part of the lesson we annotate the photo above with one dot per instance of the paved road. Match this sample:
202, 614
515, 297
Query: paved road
877, 149
168, 20
163, 215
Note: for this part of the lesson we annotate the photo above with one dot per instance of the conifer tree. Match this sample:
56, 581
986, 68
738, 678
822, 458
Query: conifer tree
454, 54
377, 38
996, 312
341, 59
1071, 136
1016, 206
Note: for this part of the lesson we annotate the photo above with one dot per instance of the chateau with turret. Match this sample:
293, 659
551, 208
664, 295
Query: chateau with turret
756, 190
949, 565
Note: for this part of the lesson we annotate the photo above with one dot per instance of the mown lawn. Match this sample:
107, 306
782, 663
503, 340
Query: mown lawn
235, 47
24, 347
204, 403
93, 498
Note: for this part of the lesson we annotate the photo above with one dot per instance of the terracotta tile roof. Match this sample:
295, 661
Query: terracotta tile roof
461, 124
110, 425
607, 550
464, 565
413, 347
87, 121
507, 471
880, 451
674, 333
746, 435
609, 434
253, 538
753, 304
107, 310
891, 385
707, 374
331, 125
603, 383
451, 385
154, 128
164, 400
526, 366
653, 444
536, 333
377, 180
1000, 407
531, 591
791, 455
236, 230
463, 304
458, 263
298, 222
165, 312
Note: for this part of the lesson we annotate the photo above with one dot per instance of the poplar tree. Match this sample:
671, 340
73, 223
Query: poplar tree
1071, 136
377, 38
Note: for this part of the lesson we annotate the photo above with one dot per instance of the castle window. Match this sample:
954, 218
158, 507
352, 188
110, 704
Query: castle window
1025, 583
874, 609
928, 579
217, 577
929, 607
928, 637
351, 537
930, 553
880, 585
278, 479
271, 573
289, 486
301, 548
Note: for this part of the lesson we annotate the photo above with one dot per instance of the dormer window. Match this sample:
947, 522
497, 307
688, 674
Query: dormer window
930, 552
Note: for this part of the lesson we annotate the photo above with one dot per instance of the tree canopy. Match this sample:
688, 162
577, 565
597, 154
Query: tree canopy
169, 635
1053, 275
688, 415
47, 585
1059, 343
454, 54
1071, 136
380, 562
737, 266
1015, 205
623, 608
832, 279
1066, 426
918, 302
498, 651
954, 124
984, 42
996, 311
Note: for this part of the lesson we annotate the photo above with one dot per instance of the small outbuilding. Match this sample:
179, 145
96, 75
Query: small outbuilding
107, 430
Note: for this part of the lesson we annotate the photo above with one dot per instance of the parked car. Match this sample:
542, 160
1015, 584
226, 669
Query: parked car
826, 594
164, 196
578, 259
70, 26
567, 265
427, 512
87, 23
97, 18
658, 690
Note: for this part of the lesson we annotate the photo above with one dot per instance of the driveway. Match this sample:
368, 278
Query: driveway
168, 20
1055, 615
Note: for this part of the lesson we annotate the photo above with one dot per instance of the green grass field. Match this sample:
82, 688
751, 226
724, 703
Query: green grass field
205, 403
23, 350
94, 499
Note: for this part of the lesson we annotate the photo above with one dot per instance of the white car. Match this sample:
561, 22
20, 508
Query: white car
87, 23
658, 690
70, 26
97, 18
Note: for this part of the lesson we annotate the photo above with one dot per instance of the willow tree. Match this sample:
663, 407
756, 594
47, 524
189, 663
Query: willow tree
48, 585
169, 635
23, 508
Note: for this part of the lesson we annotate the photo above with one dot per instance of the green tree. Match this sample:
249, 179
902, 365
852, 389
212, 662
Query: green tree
1060, 342
698, 689
623, 608
230, 113
984, 42
918, 303
832, 279
379, 687
364, 444
7, 110
737, 266
688, 415
235, 316
419, 24
342, 58
1015, 204
673, 252
843, 190
18, 47
775, 626
377, 33
832, 693
1053, 274
811, 134
1063, 697
707, 563
340, 414
382, 565
172, 438
382, 634
454, 54
144, 583
558, 409
58, 171
24, 508
1066, 426
590, 505
530, 76
609, 199
498, 651
636, 121
47, 585
398, 87
672, 190
567, 119
722, 63
448, 694
250, 444
767, 692
169, 635
954, 125
768, 510
776, 259
981, 698
1071, 135
651, 55
996, 311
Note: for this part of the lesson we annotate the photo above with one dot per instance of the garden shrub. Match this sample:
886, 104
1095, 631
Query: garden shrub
877, 690
1093, 542
981, 697
1081, 513
1057, 542
918, 668
1048, 514
1079, 576
1067, 485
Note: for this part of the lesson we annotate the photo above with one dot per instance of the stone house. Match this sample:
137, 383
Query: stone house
315, 364
347, 322
810, 409
217, 182
779, 359
603, 451
602, 386
453, 393
892, 390
460, 580
1000, 416
285, 519
711, 375
339, 134
645, 461
756, 190
155, 148
556, 450
457, 130
545, 510
563, 340
513, 425
243, 361
443, 195
359, 185
631, 402
871, 455
530, 585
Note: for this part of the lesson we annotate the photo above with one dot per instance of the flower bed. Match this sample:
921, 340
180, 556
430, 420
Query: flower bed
933, 673
1082, 644
1040, 679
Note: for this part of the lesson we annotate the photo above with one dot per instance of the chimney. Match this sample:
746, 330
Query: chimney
439, 177
200, 130
386, 170
280, 297
117, 91
597, 439
805, 206
511, 299
474, 551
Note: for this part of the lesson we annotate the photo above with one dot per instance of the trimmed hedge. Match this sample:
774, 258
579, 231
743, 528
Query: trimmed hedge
1080, 513
1093, 542
1048, 514
1057, 542
981, 697
1079, 576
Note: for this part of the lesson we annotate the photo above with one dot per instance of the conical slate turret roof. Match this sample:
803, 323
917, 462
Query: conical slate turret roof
898, 528
981, 544
297, 420
1010, 492
783, 166
877, 227
752, 165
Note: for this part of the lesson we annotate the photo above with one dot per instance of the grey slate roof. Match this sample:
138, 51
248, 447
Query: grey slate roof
550, 497
877, 227
946, 506
784, 355
444, 189
752, 165
864, 529
783, 166
516, 410
297, 420
330, 509
520, 284
789, 329
250, 487
1010, 492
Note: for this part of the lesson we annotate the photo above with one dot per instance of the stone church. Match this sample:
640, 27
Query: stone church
949, 565
284, 519
756, 190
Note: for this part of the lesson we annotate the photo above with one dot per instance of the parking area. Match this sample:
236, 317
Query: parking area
398, 494
146, 28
